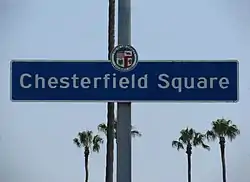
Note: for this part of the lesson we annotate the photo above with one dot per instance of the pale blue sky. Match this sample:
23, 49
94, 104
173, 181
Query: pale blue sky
36, 138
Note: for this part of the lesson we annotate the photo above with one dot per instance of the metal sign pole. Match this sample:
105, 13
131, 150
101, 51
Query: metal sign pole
124, 108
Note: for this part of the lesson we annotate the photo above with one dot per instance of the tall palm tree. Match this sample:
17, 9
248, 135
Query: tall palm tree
104, 129
89, 142
222, 129
110, 105
188, 139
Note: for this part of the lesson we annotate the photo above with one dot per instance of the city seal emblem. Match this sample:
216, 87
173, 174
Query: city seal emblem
124, 58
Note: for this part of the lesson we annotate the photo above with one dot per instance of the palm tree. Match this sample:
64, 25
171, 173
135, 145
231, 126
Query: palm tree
103, 128
110, 105
89, 142
189, 138
222, 129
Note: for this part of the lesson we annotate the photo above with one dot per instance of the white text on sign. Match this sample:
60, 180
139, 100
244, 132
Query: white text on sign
111, 81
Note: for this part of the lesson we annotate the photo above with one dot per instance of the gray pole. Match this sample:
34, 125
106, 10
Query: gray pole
124, 108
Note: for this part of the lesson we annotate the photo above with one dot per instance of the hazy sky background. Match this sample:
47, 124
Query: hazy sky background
36, 138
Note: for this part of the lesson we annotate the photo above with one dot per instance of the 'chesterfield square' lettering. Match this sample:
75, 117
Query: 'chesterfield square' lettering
110, 81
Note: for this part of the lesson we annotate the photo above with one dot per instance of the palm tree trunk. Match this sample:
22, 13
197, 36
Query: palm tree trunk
110, 143
223, 161
189, 168
86, 158
110, 105
189, 154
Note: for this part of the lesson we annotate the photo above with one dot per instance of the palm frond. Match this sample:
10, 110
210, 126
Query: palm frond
219, 127
76, 141
85, 138
199, 139
103, 128
191, 133
210, 135
135, 133
89, 134
232, 132
205, 146
177, 144
186, 135
97, 141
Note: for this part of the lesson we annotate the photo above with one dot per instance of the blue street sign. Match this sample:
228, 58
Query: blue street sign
148, 81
